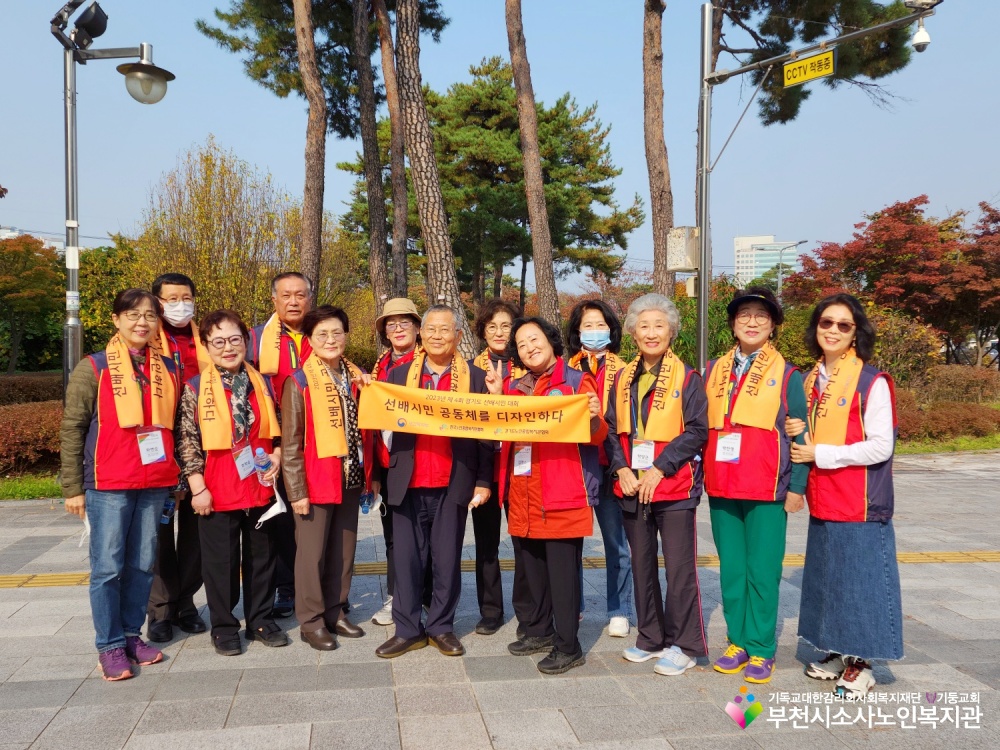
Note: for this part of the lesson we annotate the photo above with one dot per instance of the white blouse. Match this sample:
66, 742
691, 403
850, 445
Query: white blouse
879, 440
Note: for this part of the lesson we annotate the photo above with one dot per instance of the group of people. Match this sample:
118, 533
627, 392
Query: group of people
203, 422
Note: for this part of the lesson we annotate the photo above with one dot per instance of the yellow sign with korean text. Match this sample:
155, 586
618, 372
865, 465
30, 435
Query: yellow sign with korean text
559, 417
797, 72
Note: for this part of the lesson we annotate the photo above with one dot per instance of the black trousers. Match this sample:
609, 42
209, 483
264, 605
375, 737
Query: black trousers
390, 569
486, 528
675, 620
177, 571
283, 534
231, 546
520, 596
552, 570
428, 530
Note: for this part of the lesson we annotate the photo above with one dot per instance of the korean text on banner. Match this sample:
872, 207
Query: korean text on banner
552, 419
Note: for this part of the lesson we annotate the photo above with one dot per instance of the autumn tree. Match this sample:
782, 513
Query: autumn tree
30, 287
105, 271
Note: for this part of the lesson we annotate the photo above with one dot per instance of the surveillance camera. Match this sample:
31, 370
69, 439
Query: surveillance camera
921, 40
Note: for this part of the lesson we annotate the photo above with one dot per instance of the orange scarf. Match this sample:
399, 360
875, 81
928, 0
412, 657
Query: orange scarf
125, 387
216, 418
482, 361
829, 414
666, 413
328, 417
270, 346
460, 374
162, 346
760, 398
612, 364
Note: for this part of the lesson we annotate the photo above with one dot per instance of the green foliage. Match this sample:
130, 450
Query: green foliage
105, 271
31, 282
262, 32
720, 336
30, 487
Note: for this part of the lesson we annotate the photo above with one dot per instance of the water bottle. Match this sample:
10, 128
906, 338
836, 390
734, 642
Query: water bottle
262, 462
168, 510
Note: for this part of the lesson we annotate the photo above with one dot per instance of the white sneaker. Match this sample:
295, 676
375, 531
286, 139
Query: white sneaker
637, 655
384, 615
830, 667
856, 680
673, 662
618, 627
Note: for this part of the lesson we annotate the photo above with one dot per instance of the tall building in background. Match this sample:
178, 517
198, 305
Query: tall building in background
757, 254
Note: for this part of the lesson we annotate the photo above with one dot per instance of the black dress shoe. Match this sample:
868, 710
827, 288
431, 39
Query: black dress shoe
397, 646
270, 635
521, 631
530, 645
227, 645
160, 631
348, 629
448, 644
489, 625
321, 639
558, 662
191, 624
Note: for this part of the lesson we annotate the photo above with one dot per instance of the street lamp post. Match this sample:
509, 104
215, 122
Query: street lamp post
145, 82
921, 9
781, 260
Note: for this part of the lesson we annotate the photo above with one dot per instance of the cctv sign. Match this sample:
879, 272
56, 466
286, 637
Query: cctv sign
807, 69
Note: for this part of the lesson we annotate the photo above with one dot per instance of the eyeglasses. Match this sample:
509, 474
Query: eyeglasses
759, 317
844, 327
502, 328
174, 300
323, 336
134, 315
233, 341
438, 331
403, 325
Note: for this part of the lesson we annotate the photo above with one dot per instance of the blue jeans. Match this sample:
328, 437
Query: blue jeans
616, 553
123, 529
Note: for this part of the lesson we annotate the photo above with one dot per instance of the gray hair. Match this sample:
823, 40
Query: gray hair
657, 302
291, 275
439, 308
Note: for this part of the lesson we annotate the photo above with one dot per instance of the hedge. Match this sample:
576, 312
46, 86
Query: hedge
943, 420
962, 383
26, 389
30, 436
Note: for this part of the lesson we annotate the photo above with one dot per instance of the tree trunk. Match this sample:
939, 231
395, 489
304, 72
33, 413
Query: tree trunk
15, 345
442, 282
400, 272
541, 239
378, 257
524, 280
661, 199
497, 279
311, 244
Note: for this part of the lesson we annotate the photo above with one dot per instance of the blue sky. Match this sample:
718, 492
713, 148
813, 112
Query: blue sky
812, 179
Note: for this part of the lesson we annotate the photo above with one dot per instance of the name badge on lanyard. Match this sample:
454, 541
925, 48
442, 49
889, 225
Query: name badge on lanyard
727, 449
244, 461
151, 449
642, 454
522, 459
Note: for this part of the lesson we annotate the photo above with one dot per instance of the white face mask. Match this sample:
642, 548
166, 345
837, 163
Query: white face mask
179, 313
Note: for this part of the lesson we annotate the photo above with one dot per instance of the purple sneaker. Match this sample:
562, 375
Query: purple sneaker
114, 665
759, 670
141, 653
732, 661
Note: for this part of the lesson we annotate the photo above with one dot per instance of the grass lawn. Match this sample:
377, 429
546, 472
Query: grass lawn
910, 447
29, 486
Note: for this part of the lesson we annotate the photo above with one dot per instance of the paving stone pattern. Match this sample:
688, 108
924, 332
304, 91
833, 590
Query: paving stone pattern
51, 694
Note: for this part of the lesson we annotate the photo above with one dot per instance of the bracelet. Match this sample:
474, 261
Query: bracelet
204, 489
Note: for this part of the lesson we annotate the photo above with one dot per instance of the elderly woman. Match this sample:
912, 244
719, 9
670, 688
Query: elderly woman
493, 324
595, 338
850, 586
118, 468
227, 418
751, 482
398, 328
326, 463
656, 429
550, 488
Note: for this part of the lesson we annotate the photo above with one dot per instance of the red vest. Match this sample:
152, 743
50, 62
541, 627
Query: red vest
325, 476
229, 492
111, 457
290, 358
184, 353
765, 467
855, 493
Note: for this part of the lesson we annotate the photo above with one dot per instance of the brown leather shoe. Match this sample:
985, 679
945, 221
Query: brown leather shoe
448, 644
320, 639
397, 646
348, 629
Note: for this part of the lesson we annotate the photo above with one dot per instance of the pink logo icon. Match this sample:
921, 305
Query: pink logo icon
743, 713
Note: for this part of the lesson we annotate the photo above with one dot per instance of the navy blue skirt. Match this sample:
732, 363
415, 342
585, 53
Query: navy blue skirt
850, 590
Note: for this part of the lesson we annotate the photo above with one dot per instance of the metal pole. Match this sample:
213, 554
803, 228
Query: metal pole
704, 170
781, 260
72, 329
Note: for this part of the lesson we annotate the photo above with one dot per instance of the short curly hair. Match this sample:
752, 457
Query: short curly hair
491, 308
551, 333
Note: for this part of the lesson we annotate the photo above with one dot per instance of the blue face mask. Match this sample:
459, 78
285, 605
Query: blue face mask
595, 341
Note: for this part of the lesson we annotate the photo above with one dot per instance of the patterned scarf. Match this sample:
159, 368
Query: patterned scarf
354, 471
239, 400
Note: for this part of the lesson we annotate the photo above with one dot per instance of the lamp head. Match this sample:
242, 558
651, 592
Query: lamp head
145, 82
91, 24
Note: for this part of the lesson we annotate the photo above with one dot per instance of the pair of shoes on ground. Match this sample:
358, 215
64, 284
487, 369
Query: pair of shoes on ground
322, 639
669, 661
854, 676
756, 669
384, 615
161, 631
447, 643
269, 635
556, 662
116, 664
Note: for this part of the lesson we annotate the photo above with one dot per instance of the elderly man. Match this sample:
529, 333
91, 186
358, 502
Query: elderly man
277, 349
432, 482
177, 572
